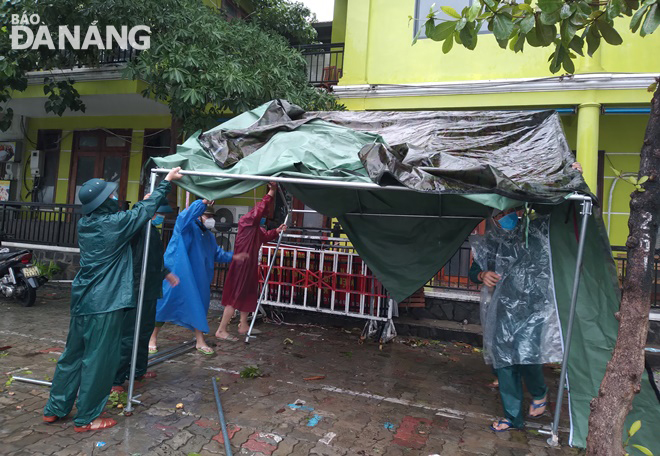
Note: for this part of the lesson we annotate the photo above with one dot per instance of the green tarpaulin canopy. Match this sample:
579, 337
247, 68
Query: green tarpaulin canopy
456, 167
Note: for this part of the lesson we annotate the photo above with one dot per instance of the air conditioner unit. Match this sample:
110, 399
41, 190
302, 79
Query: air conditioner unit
226, 216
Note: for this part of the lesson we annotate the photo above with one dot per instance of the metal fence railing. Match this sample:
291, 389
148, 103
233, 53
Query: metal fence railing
40, 223
55, 224
454, 275
325, 62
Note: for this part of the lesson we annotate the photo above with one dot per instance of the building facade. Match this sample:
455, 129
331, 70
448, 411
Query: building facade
604, 106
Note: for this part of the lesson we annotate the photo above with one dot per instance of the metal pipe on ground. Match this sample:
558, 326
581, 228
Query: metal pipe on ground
170, 355
221, 416
169, 350
34, 381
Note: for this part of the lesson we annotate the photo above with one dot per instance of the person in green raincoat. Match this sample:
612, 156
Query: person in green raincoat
101, 293
153, 290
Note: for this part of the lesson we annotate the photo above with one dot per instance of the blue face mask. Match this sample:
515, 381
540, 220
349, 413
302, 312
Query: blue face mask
158, 220
509, 222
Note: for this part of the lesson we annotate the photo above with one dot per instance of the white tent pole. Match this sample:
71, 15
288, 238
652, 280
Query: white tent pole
138, 316
320, 182
586, 212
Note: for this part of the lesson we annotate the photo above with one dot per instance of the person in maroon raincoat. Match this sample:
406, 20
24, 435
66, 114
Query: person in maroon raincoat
242, 281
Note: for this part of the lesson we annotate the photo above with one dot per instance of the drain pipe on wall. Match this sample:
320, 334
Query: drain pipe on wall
609, 203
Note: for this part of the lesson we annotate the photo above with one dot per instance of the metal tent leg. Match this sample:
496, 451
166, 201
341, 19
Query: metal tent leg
265, 287
138, 316
270, 268
586, 212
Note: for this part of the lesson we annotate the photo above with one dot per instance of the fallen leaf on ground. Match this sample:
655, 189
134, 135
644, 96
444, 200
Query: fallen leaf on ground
316, 377
179, 406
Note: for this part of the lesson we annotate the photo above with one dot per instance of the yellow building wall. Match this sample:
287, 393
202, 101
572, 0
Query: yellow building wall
378, 50
339, 21
76, 123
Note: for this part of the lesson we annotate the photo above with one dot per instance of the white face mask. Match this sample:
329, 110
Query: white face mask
209, 223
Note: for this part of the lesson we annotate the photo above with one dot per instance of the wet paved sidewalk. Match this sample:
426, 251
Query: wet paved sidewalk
412, 398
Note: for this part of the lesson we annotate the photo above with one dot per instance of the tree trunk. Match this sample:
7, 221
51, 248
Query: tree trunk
624, 371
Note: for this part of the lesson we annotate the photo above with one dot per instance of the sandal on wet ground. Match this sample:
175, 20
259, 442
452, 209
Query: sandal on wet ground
205, 350
51, 419
536, 406
148, 375
104, 423
153, 349
501, 422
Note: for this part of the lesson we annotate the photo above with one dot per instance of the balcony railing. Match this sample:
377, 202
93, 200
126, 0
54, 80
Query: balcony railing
325, 63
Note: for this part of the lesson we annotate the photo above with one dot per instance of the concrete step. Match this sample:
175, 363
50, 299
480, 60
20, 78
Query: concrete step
428, 328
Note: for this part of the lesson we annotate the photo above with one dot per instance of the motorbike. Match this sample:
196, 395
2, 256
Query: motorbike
19, 279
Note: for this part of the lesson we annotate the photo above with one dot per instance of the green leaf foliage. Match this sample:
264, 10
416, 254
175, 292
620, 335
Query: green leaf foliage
643, 450
469, 36
502, 26
549, 6
200, 64
636, 426
441, 31
292, 20
652, 20
448, 44
449, 11
610, 35
516, 22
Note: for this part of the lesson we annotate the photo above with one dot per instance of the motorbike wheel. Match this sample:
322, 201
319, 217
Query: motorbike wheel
29, 295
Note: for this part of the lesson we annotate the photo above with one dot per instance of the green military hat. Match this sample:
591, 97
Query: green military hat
94, 192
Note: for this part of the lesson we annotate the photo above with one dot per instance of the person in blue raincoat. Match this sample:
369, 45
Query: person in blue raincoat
190, 255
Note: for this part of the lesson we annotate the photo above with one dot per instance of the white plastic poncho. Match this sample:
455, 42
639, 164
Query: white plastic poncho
519, 318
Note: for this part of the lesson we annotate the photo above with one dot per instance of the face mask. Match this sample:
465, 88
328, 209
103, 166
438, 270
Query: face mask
209, 223
158, 220
262, 221
509, 222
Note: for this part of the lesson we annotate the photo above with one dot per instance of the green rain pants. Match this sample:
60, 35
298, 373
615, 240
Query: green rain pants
147, 324
87, 367
511, 390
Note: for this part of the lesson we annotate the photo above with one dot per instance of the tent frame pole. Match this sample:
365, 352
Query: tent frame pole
138, 316
320, 182
270, 268
586, 212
